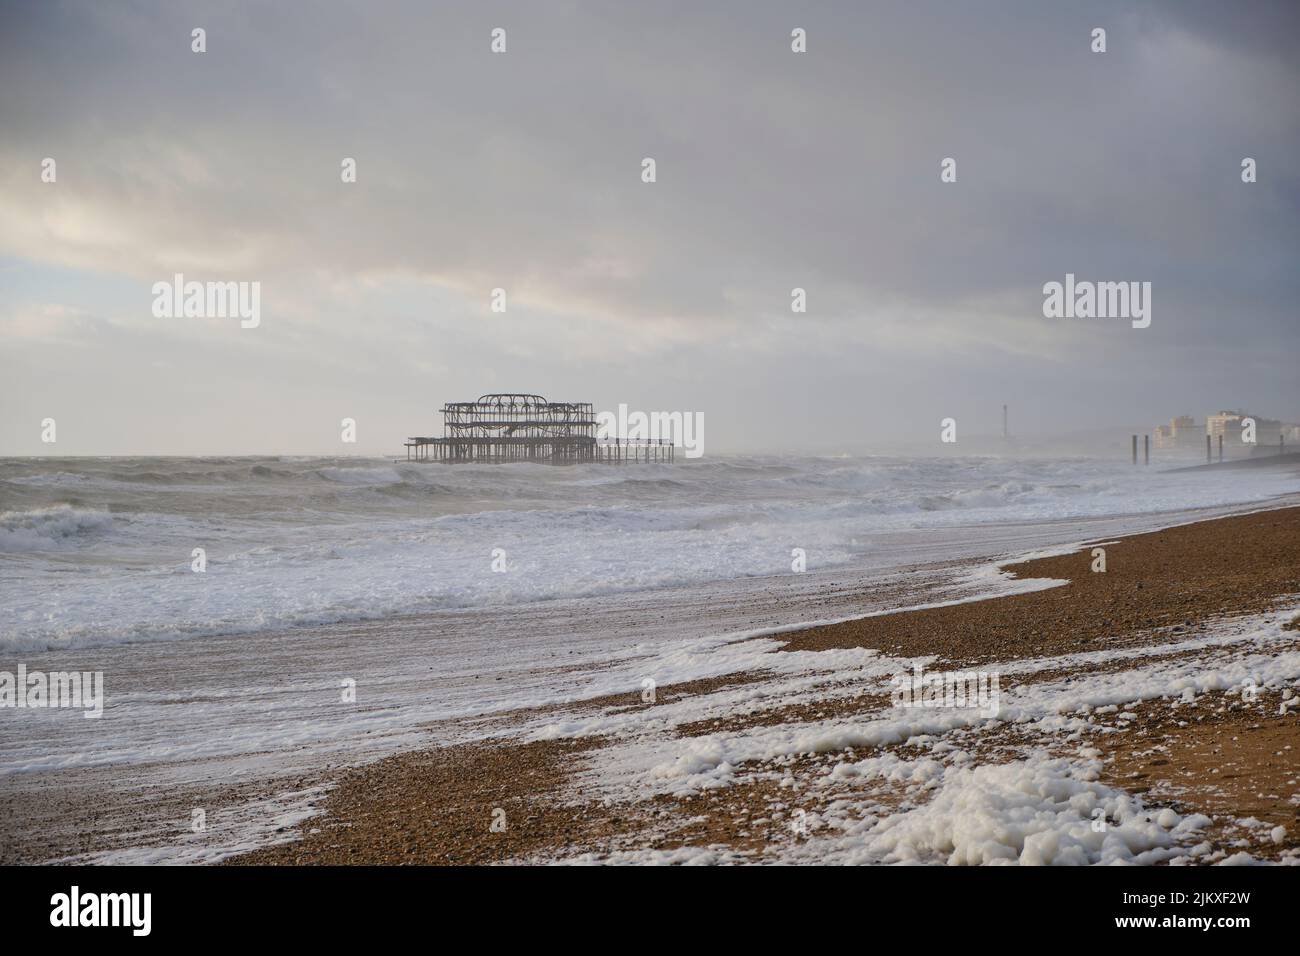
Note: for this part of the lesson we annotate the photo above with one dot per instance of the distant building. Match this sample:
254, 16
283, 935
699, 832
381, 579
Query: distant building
1221, 423
1181, 432
1268, 431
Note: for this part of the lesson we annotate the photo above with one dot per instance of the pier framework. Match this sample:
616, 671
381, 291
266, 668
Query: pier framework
505, 427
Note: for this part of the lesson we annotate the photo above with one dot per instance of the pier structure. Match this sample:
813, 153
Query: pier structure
507, 426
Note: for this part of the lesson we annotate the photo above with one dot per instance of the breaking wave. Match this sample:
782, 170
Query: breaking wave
46, 529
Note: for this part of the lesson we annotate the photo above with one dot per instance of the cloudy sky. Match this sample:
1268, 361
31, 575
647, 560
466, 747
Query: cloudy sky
522, 171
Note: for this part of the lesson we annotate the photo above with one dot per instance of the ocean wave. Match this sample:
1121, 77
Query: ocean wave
48, 480
50, 529
360, 476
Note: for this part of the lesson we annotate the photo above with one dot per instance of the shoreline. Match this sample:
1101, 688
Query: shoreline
714, 689
803, 760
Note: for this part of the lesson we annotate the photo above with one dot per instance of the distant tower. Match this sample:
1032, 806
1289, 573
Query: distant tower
1004, 423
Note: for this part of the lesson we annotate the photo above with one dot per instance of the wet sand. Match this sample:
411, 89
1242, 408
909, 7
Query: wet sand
1180, 579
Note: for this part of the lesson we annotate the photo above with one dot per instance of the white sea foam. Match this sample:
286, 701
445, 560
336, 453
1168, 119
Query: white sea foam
944, 806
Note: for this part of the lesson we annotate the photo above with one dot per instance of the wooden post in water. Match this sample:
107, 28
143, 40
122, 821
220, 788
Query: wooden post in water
1208, 446
1135, 449
1146, 449
1220, 448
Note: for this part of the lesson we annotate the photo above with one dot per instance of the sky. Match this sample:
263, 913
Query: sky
523, 171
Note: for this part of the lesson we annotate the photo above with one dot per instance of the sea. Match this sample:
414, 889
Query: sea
102, 551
